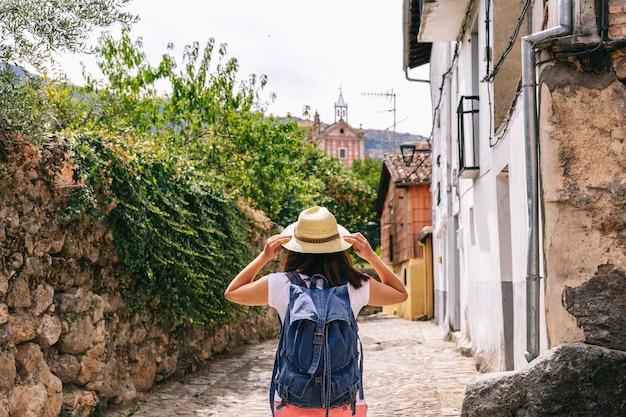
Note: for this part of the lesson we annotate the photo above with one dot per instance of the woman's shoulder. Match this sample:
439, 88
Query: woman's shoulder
277, 277
282, 278
365, 284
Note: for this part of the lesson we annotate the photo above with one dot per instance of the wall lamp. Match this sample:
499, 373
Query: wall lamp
407, 149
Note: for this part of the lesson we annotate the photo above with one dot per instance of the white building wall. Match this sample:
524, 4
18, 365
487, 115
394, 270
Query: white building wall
486, 291
443, 164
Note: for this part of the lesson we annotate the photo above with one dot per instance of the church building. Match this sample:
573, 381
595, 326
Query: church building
339, 140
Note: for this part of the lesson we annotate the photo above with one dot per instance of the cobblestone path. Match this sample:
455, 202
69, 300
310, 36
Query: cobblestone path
409, 371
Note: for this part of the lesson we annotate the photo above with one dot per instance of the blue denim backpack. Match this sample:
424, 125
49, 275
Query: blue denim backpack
317, 363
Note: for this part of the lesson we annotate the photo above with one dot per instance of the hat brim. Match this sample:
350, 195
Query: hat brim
337, 245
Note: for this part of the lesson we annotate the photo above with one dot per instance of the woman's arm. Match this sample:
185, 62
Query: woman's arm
390, 289
243, 289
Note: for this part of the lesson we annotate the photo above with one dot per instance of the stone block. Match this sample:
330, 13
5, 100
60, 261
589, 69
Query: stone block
8, 372
79, 336
65, 367
48, 331
573, 379
599, 306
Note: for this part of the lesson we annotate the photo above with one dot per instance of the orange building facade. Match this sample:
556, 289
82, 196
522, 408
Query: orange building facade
405, 212
339, 140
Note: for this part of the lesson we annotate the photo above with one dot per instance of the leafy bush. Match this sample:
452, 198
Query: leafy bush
180, 240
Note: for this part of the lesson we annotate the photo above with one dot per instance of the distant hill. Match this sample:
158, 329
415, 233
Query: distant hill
19, 71
380, 142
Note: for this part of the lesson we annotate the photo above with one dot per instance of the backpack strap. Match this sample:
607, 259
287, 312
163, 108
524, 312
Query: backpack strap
322, 347
295, 278
320, 342
318, 277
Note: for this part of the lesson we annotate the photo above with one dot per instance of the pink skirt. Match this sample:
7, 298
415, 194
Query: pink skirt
292, 411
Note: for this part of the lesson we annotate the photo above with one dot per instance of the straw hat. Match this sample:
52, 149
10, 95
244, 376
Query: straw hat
316, 231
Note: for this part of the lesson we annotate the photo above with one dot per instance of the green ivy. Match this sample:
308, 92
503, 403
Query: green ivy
179, 239
64, 413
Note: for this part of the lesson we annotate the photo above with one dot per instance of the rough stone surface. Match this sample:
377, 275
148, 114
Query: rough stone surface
42, 298
66, 367
48, 331
77, 335
599, 306
574, 379
23, 326
619, 65
583, 162
38, 392
8, 372
65, 338
143, 368
4, 314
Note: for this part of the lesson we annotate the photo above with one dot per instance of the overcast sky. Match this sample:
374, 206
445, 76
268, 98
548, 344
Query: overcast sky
308, 50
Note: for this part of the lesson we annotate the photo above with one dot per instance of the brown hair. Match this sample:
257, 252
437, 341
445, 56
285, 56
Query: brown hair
336, 267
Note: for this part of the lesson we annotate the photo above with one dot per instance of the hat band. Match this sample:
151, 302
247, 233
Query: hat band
317, 240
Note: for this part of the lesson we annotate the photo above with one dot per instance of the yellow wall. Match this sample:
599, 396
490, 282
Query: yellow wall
419, 285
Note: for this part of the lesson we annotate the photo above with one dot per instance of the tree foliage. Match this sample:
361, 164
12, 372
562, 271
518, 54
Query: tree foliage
368, 171
216, 124
31, 29
169, 151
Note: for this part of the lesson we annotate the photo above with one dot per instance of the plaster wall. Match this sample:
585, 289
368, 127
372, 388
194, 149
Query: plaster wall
476, 240
583, 142
445, 165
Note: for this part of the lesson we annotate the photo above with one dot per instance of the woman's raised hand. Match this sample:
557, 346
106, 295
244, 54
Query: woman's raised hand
360, 245
273, 245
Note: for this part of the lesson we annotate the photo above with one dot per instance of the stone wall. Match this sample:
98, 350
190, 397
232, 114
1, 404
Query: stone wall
65, 339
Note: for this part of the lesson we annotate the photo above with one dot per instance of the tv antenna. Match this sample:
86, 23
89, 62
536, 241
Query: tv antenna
389, 94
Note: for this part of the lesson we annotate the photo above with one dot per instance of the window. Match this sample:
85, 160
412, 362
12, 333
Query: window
467, 113
342, 153
438, 193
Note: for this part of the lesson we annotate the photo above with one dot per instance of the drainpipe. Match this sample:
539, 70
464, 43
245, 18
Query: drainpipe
531, 139
406, 75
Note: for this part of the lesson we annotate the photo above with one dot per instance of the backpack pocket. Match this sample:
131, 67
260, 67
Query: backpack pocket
342, 339
345, 384
306, 391
292, 385
300, 338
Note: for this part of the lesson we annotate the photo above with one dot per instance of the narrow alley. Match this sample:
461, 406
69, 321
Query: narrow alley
409, 371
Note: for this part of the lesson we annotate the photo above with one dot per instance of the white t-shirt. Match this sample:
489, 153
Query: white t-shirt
278, 298
278, 294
